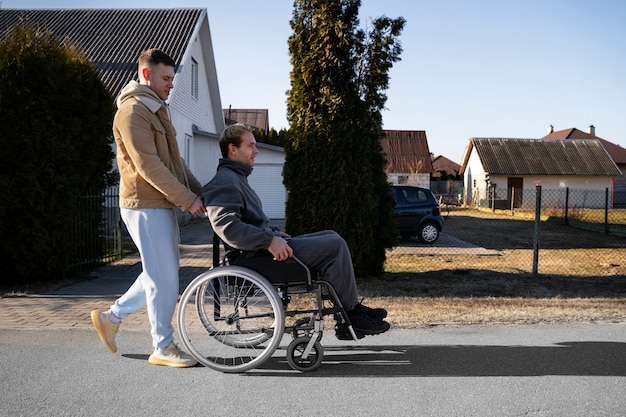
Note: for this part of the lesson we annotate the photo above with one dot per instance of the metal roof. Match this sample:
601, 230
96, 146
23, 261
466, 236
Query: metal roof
113, 38
544, 157
406, 151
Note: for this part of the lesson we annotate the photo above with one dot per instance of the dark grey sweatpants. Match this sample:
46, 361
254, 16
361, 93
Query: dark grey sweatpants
327, 253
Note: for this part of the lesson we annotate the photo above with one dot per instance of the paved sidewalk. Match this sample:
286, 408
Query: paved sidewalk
69, 307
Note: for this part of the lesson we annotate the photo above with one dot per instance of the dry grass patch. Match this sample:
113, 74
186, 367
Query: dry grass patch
581, 276
409, 312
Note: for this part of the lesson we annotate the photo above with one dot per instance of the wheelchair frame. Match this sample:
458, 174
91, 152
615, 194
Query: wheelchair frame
232, 318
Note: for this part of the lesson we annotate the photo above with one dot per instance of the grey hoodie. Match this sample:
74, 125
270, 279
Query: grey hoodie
235, 209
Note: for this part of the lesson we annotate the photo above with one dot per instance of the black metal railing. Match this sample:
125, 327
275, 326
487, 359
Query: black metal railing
97, 232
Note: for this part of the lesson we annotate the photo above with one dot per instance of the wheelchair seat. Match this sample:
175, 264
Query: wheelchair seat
289, 271
277, 272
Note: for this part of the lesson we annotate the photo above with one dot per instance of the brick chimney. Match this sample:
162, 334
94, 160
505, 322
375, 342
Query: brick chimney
592, 130
550, 129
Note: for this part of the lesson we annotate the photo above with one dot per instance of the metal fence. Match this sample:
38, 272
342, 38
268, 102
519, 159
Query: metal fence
563, 232
97, 232
590, 209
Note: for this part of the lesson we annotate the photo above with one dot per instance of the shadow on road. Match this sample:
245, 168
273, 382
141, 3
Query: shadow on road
567, 359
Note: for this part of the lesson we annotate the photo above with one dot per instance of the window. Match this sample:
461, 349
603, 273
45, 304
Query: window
194, 78
413, 195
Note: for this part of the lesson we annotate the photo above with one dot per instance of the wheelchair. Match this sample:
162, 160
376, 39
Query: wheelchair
233, 317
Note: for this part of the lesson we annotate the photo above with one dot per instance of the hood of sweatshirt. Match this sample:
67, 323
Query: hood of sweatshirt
142, 93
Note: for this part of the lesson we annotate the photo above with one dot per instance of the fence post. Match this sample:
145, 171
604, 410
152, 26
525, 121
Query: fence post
537, 222
512, 201
566, 205
606, 210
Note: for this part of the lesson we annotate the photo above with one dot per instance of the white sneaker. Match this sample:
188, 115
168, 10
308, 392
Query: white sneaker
172, 356
106, 330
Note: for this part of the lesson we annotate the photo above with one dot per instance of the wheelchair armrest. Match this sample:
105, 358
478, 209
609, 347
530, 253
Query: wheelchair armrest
306, 268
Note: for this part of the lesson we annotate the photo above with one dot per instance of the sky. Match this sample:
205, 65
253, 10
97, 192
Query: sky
469, 68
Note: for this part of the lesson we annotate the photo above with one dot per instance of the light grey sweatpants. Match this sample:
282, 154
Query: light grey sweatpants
156, 235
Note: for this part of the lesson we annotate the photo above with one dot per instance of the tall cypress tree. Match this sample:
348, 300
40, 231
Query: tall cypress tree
334, 168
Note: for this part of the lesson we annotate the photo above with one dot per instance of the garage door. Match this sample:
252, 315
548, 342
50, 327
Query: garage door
267, 181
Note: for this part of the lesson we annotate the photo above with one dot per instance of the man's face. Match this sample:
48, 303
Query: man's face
246, 152
160, 79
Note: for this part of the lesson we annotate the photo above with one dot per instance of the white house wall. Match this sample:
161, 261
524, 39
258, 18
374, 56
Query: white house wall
206, 166
415, 179
188, 112
586, 192
267, 180
474, 179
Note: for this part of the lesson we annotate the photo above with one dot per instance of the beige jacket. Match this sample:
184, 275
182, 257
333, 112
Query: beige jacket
152, 172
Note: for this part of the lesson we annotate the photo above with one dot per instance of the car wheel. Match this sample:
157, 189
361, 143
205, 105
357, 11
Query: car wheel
428, 233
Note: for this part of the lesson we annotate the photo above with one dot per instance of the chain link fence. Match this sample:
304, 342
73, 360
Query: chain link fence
530, 232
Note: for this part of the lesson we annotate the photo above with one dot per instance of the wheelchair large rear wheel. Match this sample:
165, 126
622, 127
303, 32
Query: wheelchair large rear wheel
230, 319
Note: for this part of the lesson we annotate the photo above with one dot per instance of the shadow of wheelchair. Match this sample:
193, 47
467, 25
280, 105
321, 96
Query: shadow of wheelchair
562, 359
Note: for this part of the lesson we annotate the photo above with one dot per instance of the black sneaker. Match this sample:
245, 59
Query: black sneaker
374, 313
362, 323
343, 333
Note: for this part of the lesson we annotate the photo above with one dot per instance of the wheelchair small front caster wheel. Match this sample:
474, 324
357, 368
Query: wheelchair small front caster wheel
296, 351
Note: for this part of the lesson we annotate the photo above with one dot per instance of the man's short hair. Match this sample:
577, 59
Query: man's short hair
232, 134
152, 57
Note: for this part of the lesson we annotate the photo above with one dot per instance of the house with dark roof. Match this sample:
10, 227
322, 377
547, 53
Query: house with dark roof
113, 39
446, 181
616, 152
408, 157
444, 168
257, 118
505, 167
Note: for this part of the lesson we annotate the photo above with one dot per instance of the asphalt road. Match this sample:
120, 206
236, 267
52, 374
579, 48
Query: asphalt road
491, 370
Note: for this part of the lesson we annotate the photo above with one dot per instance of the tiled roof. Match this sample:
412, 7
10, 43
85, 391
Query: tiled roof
544, 157
441, 163
615, 151
252, 117
571, 133
114, 38
406, 151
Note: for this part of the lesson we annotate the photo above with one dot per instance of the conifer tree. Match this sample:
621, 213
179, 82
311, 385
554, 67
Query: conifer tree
334, 168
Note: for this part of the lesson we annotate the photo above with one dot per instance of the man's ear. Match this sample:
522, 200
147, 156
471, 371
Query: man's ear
145, 72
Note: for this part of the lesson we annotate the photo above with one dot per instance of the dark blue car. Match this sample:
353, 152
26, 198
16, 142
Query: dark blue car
417, 213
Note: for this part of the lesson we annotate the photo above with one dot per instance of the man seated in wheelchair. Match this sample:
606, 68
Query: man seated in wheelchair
237, 217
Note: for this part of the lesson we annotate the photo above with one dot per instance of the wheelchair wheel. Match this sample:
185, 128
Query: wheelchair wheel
296, 352
205, 306
230, 319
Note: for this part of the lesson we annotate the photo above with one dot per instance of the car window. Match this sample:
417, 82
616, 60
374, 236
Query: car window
414, 195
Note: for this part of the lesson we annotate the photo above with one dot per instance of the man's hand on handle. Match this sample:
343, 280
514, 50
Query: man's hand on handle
197, 208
